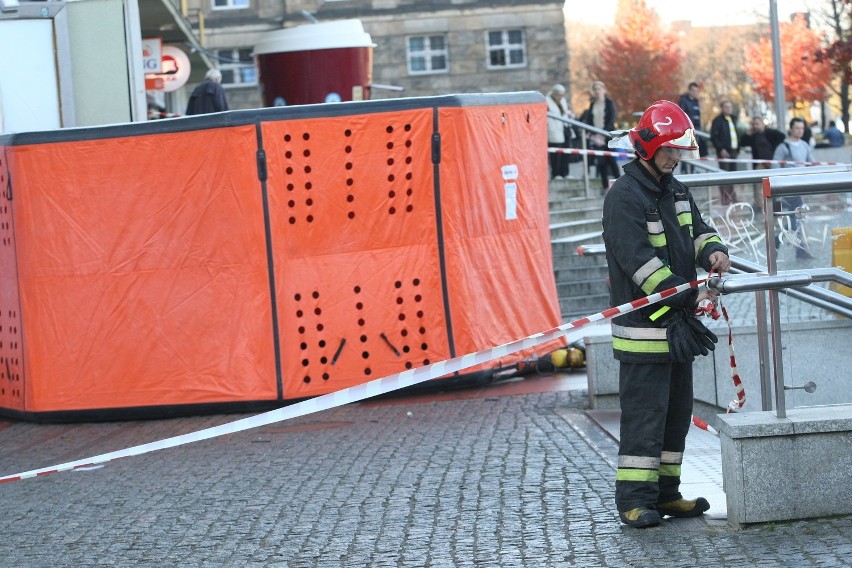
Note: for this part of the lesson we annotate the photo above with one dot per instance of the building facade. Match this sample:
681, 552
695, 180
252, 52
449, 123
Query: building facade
424, 47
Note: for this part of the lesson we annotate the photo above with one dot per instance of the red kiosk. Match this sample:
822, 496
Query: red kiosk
315, 63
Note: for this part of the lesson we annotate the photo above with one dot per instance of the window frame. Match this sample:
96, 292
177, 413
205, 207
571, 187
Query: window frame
506, 48
228, 59
230, 5
427, 54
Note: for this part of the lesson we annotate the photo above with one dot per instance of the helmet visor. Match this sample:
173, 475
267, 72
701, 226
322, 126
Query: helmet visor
686, 143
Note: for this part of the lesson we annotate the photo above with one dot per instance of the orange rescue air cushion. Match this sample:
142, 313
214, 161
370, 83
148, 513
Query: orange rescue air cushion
357, 267
142, 269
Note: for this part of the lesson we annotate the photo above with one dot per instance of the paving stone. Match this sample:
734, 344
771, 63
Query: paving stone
498, 481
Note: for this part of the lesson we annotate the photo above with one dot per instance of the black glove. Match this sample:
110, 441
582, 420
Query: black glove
683, 346
706, 338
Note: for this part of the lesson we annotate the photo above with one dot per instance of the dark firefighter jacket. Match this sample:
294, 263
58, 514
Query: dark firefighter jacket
654, 239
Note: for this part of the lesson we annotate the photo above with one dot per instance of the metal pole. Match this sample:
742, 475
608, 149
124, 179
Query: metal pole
774, 308
763, 351
585, 164
780, 95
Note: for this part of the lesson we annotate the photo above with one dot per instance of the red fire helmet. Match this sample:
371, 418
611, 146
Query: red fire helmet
664, 124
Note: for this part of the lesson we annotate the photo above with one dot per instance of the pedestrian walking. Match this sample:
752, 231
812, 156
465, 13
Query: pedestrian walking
209, 96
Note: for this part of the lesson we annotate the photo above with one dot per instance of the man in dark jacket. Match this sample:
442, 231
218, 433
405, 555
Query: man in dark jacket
723, 135
654, 238
209, 96
692, 107
762, 141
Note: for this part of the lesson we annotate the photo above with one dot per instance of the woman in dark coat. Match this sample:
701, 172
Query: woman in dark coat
601, 114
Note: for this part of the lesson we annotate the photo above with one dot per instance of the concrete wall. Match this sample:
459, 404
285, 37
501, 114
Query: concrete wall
778, 469
813, 351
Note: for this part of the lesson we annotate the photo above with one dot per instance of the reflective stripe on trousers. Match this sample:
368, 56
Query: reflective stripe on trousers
656, 411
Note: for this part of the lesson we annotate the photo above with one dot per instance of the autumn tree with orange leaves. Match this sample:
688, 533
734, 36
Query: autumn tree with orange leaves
638, 62
838, 16
805, 78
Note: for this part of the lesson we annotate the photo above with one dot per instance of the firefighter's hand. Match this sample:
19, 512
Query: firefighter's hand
707, 294
683, 346
719, 262
706, 338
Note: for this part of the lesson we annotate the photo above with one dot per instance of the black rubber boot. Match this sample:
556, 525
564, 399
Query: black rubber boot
640, 517
683, 508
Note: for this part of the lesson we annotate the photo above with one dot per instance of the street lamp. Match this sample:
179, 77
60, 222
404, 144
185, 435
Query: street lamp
780, 96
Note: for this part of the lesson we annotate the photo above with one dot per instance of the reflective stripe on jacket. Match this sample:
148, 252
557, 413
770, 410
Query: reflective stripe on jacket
654, 238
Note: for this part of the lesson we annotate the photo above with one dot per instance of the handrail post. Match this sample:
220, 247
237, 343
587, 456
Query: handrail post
585, 164
774, 308
763, 350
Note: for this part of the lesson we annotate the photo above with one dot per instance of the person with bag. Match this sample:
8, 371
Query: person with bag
601, 114
559, 133
655, 237
793, 149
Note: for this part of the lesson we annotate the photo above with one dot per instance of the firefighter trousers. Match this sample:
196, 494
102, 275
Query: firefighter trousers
656, 411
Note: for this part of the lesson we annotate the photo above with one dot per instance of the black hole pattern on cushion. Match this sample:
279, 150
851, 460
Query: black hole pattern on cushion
298, 170
321, 349
11, 390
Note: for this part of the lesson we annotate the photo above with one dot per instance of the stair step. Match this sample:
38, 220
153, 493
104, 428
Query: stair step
573, 308
562, 248
571, 228
578, 239
582, 288
575, 214
567, 275
560, 202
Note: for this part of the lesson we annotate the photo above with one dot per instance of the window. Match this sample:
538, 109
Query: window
427, 54
230, 4
237, 67
506, 48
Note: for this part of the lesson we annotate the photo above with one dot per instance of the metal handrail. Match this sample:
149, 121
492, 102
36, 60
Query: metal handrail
781, 183
588, 127
772, 283
748, 276
583, 125
817, 184
815, 295
780, 186
756, 176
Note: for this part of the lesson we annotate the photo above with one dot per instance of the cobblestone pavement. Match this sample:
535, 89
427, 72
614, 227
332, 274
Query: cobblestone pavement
486, 479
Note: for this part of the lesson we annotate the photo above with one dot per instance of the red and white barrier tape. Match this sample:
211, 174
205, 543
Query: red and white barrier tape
705, 159
590, 152
375, 387
782, 162
708, 308
704, 426
737, 403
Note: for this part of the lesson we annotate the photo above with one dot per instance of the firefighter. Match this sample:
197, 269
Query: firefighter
655, 238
